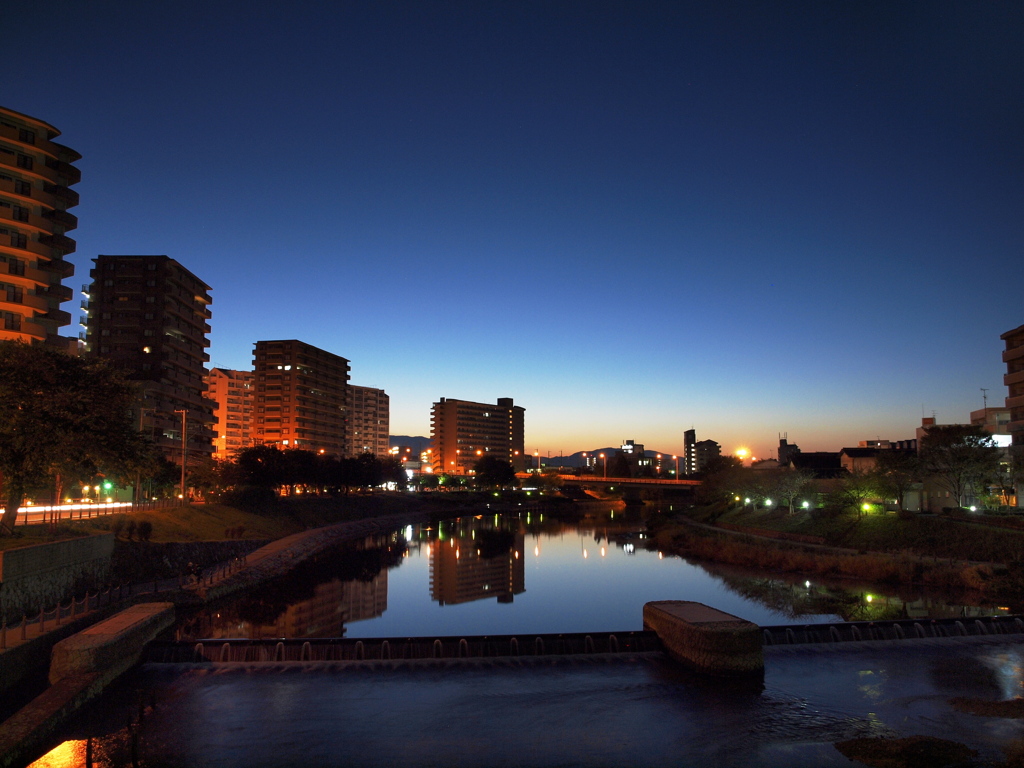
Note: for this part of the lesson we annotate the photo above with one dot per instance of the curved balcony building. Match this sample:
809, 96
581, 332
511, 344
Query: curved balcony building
35, 175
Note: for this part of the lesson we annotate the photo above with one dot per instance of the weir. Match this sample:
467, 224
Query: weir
239, 650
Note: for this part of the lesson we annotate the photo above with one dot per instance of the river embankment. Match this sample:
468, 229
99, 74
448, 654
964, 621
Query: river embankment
775, 551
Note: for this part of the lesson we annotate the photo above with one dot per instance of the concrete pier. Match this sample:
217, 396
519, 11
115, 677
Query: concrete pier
706, 639
113, 645
81, 666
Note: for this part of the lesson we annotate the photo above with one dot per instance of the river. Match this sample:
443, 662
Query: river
531, 572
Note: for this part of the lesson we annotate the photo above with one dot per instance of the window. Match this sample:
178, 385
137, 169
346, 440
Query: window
24, 161
22, 188
12, 322
12, 293
151, 299
15, 266
19, 213
18, 240
108, 283
26, 136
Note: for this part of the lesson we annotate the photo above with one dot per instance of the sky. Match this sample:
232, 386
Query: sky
750, 218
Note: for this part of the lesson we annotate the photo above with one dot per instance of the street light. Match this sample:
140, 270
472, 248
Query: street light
676, 459
604, 461
184, 450
536, 455
659, 464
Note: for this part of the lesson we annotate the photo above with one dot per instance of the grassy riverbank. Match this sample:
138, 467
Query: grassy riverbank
960, 554
283, 517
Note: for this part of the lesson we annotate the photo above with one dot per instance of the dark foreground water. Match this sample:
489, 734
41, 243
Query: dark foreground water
491, 574
592, 712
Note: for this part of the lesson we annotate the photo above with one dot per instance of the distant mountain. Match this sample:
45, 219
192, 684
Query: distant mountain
417, 443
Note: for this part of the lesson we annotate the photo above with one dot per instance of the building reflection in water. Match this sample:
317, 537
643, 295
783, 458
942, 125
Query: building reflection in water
333, 605
316, 600
477, 560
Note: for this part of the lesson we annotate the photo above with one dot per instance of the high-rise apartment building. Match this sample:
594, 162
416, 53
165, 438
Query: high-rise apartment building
697, 453
463, 432
369, 421
1013, 356
301, 396
35, 175
149, 316
232, 395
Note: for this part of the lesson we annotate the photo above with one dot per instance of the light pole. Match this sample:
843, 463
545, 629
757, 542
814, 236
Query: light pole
676, 458
659, 464
604, 461
184, 449
536, 455
138, 475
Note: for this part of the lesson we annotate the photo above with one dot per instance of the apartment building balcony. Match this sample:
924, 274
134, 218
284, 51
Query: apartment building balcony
1015, 353
58, 267
1015, 402
58, 316
67, 220
68, 196
1017, 377
58, 292
67, 170
62, 242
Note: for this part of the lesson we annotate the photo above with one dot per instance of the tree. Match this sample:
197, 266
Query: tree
57, 410
789, 484
895, 473
722, 478
959, 457
855, 489
493, 472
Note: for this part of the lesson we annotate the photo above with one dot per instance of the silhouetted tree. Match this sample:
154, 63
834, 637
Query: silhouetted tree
493, 472
959, 457
723, 477
57, 410
896, 472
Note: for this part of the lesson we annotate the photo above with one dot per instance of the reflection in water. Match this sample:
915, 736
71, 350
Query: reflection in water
481, 559
317, 599
577, 571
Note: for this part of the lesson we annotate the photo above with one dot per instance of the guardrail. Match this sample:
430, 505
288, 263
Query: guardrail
37, 624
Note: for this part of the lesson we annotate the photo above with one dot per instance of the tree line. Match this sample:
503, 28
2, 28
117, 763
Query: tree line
962, 460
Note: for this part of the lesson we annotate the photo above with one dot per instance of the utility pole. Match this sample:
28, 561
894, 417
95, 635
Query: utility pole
184, 450
984, 397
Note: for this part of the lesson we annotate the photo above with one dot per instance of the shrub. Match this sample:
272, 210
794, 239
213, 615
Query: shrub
129, 530
144, 530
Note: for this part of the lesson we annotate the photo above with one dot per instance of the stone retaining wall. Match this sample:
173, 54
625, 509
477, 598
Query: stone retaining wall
39, 576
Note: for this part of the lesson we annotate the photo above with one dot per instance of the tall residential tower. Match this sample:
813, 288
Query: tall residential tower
148, 316
35, 175
463, 432
301, 397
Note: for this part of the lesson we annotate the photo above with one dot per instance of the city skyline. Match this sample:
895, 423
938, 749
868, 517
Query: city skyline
632, 219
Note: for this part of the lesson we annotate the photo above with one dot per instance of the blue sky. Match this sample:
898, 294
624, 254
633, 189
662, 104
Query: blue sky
634, 218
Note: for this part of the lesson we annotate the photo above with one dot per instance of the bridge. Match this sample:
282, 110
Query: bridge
629, 482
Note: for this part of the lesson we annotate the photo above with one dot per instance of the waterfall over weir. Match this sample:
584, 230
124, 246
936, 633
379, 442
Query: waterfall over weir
564, 644
901, 629
385, 649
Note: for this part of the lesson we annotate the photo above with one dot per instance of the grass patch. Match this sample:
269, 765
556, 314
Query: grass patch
947, 538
